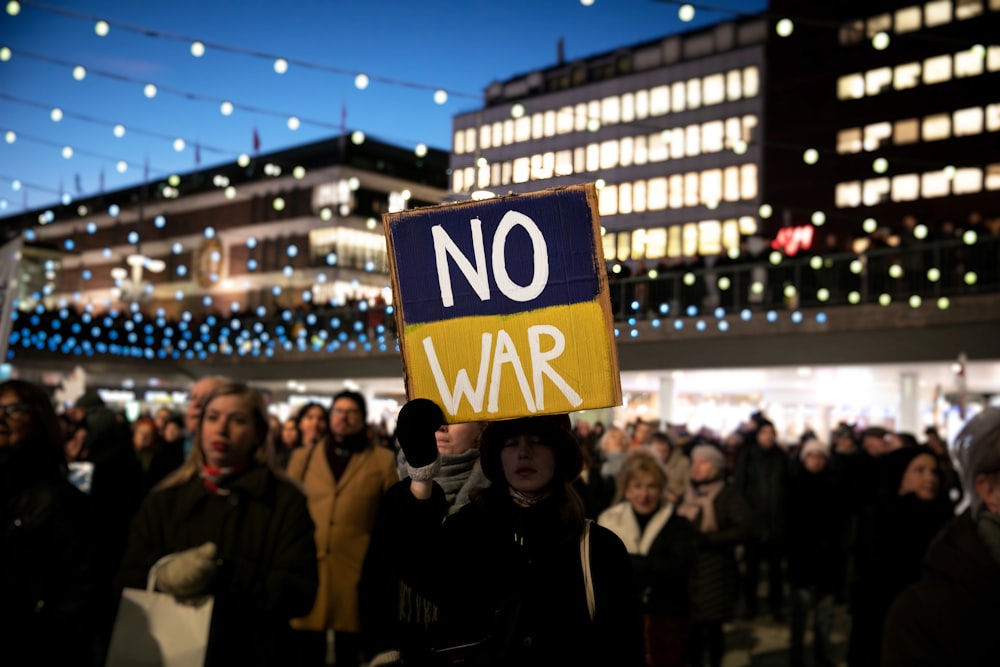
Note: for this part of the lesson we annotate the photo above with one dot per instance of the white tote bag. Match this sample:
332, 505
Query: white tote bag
153, 628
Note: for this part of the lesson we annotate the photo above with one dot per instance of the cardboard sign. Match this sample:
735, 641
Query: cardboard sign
502, 305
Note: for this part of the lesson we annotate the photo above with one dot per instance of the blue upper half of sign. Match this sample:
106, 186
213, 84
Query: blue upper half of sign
524, 253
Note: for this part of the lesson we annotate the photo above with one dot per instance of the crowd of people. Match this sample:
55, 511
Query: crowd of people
531, 541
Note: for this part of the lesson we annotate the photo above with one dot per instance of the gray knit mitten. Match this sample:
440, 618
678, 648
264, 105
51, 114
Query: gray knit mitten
188, 573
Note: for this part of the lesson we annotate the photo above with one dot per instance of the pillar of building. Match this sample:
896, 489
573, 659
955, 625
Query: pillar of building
665, 402
909, 404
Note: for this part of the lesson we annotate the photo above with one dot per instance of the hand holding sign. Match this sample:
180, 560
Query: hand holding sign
416, 425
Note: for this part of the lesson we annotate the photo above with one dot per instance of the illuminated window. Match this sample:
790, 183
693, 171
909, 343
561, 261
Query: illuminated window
908, 19
968, 63
992, 180
607, 200
457, 182
691, 183
966, 9
608, 242
709, 237
875, 191
877, 80
692, 140
968, 121
522, 170
689, 236
713, 137
656, 243
624, 239
564, 163
580, 117
677, 143
625, 147
579, 160
611, 110
657, 147
674, 241
693, 93
937, 12
522, 128
642, 104
593, 111
564, 121
751, 81
749, 123
656, 194
906, 187
906, 131
748, 225
731, 183
484, 177
677, 191
470, 140
537, 126
714, 91
459, 142
967, 181
659, 101
851, 87
748, 181
847, 195
734, 85
934, 184
628, 107
638, 243
711, 186
937, 69
875, 134
507, 173
498, 133
508, 132
677, 96
484, 136
937, 127
877, 24
849, 140
548, 164
495, 174
641, 150
734, 132
993, 118
470, 178
906, 76
550, 123
639, 196
730, 234
993, 57
609, 154
593, 157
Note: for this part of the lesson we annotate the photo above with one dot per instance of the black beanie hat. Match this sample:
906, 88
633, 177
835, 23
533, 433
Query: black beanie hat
553, 430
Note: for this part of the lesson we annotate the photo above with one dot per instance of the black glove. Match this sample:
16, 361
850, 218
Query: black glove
416, 425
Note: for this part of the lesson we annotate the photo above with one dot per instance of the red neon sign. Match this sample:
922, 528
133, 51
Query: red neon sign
791, 240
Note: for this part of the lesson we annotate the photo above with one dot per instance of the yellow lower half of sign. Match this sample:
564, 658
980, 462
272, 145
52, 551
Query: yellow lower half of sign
552, 360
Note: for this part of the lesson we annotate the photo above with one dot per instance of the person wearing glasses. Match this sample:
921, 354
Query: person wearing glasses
344, 476
48, 587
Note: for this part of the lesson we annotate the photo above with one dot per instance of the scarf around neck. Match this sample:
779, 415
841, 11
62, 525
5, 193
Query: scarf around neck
217, 479
699, 501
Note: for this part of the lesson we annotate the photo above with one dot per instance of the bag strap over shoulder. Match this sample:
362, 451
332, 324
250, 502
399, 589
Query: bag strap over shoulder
588, 580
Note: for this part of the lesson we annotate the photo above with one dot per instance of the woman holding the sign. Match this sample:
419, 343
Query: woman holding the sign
518, 576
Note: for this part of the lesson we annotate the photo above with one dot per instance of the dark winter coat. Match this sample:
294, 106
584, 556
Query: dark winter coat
662, 556
761, 478
815, 529
893, 535
950, 616
496, 569
49, 575
264, 536
715, 579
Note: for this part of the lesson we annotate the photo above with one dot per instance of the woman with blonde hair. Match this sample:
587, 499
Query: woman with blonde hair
662, 547
225, 524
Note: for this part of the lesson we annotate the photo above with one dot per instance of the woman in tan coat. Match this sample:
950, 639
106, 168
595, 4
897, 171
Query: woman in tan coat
344, 478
